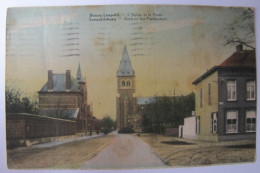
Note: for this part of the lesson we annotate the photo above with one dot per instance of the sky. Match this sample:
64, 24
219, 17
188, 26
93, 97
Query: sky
167, 54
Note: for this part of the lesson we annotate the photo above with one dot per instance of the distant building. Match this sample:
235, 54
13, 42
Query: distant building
225, 99
65, 97
142, 104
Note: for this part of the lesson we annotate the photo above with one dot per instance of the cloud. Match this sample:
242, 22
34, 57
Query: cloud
169, 25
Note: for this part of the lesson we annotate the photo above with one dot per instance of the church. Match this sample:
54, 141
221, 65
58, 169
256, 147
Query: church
128, 108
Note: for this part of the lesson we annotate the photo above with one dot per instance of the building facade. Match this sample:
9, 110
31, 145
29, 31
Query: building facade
225, 99
65, 97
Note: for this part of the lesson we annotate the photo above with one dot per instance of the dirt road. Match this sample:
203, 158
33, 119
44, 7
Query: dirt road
180, 152
71, 155
125, 151
118, 151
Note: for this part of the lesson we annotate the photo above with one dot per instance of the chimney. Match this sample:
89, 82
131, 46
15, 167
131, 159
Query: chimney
239, 47
68, 80
50, 81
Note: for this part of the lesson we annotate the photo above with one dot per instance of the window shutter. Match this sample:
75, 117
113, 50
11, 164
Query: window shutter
211, 123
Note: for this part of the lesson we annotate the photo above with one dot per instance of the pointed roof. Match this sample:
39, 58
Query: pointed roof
79, 75
125, 68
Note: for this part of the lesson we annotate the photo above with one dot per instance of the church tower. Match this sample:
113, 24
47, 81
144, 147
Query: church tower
125, 88
83, 112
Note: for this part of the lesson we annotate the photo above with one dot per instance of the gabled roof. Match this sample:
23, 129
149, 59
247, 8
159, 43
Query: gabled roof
125, 68
245, 58
59, 83
64, 113
239, 59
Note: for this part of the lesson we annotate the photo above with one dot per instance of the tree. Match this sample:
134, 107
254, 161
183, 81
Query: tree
15, 103
12, 98
242, 29
167, 112
107, 124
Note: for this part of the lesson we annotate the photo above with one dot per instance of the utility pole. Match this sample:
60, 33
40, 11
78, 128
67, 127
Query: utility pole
173, 104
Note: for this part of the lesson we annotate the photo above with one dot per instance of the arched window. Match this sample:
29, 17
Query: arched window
128, 83
123, 83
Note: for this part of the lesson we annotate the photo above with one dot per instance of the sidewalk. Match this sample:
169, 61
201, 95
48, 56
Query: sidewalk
64, 141
221, 143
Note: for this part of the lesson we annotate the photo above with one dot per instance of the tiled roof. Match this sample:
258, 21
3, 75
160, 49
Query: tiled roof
145, 100
125, 68
59, 83
64, 113
36, 116
239, 59
245, 58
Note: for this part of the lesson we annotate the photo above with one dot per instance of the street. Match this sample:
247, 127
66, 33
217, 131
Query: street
129, 151
125, 151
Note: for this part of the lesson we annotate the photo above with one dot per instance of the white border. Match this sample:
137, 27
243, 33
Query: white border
240, 168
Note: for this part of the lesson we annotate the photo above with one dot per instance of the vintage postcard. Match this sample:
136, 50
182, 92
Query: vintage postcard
130, 86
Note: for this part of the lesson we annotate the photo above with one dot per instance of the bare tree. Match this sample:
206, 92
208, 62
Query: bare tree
242, 29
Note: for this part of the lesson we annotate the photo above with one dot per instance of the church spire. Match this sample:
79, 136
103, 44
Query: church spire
79, 75
125, 68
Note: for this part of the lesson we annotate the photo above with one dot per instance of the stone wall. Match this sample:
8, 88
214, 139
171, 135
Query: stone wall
28, 126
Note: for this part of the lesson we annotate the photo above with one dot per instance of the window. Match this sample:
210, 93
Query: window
197, 124
123, 83
128, 83
214, 123
231, 90
250, 121
231, 122
201, 97
250, 90
209, 94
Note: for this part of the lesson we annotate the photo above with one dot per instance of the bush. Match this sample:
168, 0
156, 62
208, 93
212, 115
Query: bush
106, 131
14, 143
126, 130
107, 125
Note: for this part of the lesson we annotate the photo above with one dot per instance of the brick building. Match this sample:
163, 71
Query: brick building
129, 109
225, 99
125, 102
65, 97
